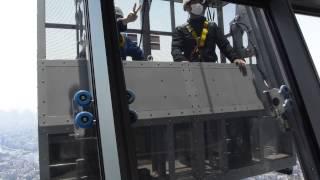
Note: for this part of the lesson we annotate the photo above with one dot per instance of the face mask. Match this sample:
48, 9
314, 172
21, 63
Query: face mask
197, 9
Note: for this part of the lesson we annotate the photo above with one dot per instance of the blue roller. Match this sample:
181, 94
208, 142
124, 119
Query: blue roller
84, 119
284, 91
288, 104
133, 116
82, 98
131, 96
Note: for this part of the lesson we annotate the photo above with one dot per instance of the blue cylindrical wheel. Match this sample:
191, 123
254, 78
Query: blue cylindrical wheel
288, 104
131, 96
84, 119
284, 91
82, 98
133, 116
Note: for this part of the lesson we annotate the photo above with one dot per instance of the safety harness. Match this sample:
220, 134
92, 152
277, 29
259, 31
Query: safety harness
199, 40
122, 40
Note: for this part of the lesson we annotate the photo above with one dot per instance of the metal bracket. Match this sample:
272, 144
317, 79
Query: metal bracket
281, 102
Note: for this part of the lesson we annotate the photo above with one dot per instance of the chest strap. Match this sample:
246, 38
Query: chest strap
202, 39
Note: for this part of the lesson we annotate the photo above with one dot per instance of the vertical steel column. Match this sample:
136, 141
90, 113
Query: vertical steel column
198, 149
145, 22
41, 55
171, 150
41, 29
43, 153
173, 17
222, 145
220, 25
158, 149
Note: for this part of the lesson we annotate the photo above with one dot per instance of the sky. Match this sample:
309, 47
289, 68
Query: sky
18, 40
310, 27
18, 58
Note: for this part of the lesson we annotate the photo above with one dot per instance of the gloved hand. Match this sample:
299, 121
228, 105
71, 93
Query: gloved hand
242, 65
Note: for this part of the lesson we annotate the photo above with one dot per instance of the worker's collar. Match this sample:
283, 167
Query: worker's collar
198, 19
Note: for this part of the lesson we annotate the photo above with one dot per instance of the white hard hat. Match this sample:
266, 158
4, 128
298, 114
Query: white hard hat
185, 2
118, 11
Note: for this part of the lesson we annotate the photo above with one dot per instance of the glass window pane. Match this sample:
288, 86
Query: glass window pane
160, 16
229, 12
61, 12
61, 44
177, 133
193, 120
309, 26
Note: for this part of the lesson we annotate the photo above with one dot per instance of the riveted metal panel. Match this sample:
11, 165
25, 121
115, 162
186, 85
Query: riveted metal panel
58, 81
159, 88
181, 89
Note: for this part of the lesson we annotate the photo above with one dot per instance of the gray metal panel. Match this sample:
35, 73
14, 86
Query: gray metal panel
57, 82
159, 89
181, 89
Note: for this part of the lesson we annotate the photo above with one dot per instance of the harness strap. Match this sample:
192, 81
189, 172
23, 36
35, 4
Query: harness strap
202, 39
122, 40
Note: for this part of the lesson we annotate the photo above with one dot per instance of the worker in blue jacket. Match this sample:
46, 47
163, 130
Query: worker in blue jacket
127, 46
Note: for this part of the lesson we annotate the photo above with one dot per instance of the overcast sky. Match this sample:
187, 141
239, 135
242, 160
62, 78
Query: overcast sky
18, 55
18, 50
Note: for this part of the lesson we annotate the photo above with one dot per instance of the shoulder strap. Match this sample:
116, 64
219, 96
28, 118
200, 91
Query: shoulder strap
202, 39
122, 40
204, 34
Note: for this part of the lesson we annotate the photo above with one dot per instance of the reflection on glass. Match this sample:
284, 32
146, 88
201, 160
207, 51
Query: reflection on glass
207, 120
194, 121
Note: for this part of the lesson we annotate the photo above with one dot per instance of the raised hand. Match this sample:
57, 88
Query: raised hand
134, 10
132, 16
